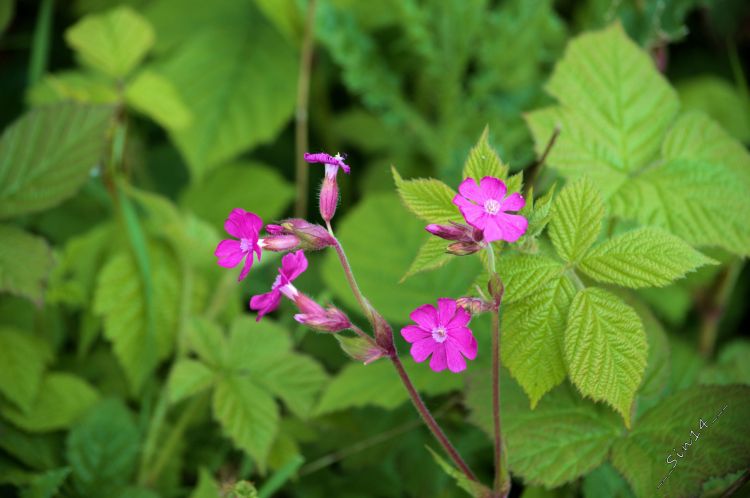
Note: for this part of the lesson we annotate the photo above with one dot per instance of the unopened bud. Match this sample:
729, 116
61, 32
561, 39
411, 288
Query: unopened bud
279, 242
316, 317
362, 349
274, 229
474, 305
464, 248
452, 231
312, 237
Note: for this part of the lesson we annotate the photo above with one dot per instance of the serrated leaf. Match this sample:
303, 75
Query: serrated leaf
46, 485
647, 257
47, 154
25, 263
722, 447
525, 274
188, 377
718, 98
605, 481
113, 42
563, 438
208, 341
102, 449
731, 366
121, 301
23, 358
484, 161
541, 211
473, 488
431, 255
379, 267
605, 348
532, 337
230, 93
576, 219
378, 384
61, 400
428, 198
157, 98
247, 414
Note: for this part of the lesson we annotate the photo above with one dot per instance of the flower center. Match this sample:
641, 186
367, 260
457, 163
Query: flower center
491, 206
246, 245
439, 334
331, 170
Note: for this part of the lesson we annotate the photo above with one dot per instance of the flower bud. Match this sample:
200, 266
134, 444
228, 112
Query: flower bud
274, 229
315, 316
464, 248
474, 305
453, 231
312, 237
279, 242
361, 349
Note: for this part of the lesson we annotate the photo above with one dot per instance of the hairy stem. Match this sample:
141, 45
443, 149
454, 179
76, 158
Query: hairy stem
366, 308
301, 116
429, 420
713, 310
536, 166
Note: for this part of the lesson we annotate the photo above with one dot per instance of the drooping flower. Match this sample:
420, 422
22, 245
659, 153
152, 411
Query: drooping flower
245, 226
292, 266
486, 207
311, 237
442, 333
468, 239
329, 192
316, 317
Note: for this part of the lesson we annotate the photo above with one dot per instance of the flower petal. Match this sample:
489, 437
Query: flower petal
413, 333
438, 362
493, 188
514, 202
460, 319
265, 303
446, 310
456, 362
425, 316
246, 267
243, 224
473, 214
508, 227
464, 341
293, 265
229, 253
469, 189
423, 348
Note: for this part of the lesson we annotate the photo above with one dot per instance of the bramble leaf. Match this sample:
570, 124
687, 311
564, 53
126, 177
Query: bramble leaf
484, 161
157, 98
431, 255
23, 358
576, 219
188, 377
605, 348
647, 257
524, 274
428, 198
25, 263
474, 488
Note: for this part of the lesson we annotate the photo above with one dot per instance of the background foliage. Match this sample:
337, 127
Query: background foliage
128, 364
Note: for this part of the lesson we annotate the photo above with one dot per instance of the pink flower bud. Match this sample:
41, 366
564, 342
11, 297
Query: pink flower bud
453, 231
279, 242
274, 229
474, 305
464, 248
329, 197
312, 237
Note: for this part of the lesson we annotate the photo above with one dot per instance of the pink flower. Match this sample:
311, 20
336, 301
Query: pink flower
329, 192
292, 266
245, 226
442, 333
485, 207
316, 317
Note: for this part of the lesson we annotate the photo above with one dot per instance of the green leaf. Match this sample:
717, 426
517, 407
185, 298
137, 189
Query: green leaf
113, 42
524, 274
247, 414
722, 447
25, 263
121, 301
484, 161
576, 219
47, 154
533, 332
61, 400
431, 255
563, 438
214, 197
538, 211
428, 198
7, 8
605, 348
731, 366
231, 93
207, 487
86, 87
102, 449
720, 100
46, 485
378, 384
208, 341
24, 359
157, 98
647, 257
379, 266
606, 481
474, 488
188, 377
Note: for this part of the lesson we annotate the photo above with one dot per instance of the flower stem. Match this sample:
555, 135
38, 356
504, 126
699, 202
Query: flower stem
429, 420
301, 116
536, 167
501, 482
366, 308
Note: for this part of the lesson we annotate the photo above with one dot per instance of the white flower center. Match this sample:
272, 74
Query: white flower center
491, 206
246, 245
439, 334
289, 291
331, 170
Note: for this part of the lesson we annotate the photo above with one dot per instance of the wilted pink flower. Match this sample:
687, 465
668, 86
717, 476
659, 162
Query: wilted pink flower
329, 192
312, 237
485, 207
292, 266
245, 226
456, 231
474, 305
279, 243
315, 316
442, 333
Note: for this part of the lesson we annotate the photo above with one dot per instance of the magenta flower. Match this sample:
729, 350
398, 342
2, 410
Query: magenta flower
485, 207
292, 266
329, 192
442, 333
246, 227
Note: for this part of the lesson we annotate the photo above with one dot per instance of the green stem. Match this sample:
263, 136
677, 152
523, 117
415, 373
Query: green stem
501, 481
575, 279
714, 310
363, 303
41, 44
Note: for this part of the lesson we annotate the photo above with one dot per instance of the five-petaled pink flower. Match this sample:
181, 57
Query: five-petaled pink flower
292, 266
442, 333
485, 207
246, 227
